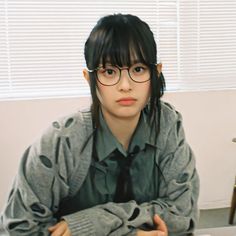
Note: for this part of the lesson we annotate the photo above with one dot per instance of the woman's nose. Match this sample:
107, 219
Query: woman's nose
125, 81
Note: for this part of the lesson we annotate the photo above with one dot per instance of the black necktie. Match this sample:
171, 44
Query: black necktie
124, 188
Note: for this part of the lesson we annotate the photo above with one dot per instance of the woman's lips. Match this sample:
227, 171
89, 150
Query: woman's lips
126, 101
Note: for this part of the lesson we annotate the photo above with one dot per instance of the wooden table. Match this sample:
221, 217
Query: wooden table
220, 231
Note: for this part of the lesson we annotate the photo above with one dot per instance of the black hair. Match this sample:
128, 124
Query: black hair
119, 38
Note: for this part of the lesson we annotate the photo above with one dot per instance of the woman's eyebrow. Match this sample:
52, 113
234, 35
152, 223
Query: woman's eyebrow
132, 62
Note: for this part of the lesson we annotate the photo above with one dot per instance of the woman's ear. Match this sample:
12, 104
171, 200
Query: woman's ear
159, 68
86, 75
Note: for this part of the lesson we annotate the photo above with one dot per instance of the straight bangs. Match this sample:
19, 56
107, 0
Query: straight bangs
122, 49
122, 44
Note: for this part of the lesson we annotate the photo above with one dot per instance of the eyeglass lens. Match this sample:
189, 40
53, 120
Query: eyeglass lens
110, 74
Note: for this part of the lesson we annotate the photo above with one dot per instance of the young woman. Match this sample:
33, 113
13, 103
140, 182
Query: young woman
122, 167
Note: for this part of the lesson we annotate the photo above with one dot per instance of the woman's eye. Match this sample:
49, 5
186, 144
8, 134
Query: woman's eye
109, 71
139, 69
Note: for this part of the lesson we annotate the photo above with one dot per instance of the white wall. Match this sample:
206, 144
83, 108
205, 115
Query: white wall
210, 125
209, 120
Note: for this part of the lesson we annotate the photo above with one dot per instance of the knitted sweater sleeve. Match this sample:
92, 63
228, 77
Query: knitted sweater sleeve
49, 166
176, 202
43, 180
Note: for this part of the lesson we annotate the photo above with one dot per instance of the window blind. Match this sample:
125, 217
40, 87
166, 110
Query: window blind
198, 44
41, 43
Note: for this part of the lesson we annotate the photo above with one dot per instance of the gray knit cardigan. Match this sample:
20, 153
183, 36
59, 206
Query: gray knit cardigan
54, 167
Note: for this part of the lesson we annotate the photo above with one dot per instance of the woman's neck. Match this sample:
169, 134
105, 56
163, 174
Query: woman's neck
122, 128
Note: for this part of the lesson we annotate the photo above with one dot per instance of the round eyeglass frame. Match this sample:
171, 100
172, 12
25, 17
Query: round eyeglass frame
120, 69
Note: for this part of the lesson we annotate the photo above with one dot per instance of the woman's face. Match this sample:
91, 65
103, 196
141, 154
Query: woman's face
123, 100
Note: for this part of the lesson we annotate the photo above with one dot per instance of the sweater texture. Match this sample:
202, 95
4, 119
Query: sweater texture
55, 166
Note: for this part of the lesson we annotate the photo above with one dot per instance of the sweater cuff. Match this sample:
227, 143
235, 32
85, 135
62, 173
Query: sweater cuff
79, 224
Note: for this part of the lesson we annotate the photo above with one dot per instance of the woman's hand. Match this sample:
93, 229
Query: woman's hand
160, 231
60, 229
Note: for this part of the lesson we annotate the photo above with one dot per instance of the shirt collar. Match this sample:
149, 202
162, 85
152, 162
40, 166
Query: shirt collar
142, 134
106, 142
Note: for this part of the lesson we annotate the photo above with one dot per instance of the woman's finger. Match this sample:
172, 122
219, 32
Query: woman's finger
60, 229
150, 233
67, 233
51, 228
161, 226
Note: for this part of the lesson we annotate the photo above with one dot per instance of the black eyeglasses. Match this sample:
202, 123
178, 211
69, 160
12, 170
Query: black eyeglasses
111, 74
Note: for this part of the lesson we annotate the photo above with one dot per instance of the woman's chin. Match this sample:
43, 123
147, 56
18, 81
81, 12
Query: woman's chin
127, 112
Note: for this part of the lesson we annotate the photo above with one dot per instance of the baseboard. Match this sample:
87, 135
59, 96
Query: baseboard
214, 204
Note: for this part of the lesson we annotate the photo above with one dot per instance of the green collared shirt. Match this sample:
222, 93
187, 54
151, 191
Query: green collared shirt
53, 169
101, 182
